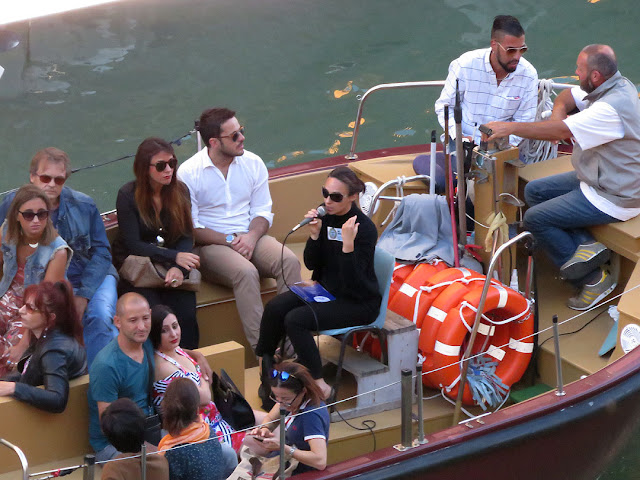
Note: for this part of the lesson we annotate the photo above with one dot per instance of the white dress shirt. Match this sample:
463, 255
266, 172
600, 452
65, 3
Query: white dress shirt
227, 205
482, 99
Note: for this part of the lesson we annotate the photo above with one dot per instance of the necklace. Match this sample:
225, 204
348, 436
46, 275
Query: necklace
34, 245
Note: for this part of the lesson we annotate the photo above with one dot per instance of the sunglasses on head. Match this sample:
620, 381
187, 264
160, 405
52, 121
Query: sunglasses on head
234, 136
335, 196
47, 179
161, 165
513, 50
284, 376
29, 215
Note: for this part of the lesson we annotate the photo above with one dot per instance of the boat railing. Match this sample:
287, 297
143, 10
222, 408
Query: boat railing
23, 459
404, 85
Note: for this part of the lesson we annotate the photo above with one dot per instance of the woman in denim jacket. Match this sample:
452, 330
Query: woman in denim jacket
31, 251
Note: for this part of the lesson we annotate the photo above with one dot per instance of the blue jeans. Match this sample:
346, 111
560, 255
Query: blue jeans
558, 215
97, 323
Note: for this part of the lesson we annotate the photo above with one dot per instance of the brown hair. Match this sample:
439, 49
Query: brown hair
53, 155
57, 299
349, 178
14, 229
299, 379
175, 196
181, 405
211, 121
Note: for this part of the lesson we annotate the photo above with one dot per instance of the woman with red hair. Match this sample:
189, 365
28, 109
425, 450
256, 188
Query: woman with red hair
56, 353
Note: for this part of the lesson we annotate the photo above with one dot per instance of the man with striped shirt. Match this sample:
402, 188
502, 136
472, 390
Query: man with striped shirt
495, 83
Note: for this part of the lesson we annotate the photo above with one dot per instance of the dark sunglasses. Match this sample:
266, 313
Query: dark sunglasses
513, 50
161, 165
234, 136
29, 215
31, 308
284, 376
47, 179
335, 196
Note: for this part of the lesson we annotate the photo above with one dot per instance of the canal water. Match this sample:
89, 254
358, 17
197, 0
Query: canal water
96, 82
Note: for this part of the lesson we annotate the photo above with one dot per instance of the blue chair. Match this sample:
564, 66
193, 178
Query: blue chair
384, 264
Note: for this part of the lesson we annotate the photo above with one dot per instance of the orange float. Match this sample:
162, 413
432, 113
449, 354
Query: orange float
515, 330
400, 272
403, 302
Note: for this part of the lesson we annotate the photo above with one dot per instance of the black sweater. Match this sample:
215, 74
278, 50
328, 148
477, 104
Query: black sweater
346, 275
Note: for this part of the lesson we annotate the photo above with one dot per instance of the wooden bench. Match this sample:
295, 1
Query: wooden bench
46, 437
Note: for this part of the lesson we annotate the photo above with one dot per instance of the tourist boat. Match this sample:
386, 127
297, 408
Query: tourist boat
570, 430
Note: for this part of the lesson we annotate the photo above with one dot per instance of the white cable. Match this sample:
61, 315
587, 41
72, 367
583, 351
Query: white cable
537, 150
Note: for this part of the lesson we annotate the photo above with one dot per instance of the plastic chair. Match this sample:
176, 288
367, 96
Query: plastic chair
384, 263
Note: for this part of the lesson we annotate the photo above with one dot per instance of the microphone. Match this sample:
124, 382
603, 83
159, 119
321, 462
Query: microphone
321, 213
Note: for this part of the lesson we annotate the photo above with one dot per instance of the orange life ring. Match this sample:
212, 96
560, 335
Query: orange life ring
403, 302
516, 332
400, 272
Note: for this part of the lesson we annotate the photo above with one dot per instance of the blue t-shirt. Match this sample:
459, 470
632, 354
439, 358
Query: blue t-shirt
307, 427
198, 461
113, 375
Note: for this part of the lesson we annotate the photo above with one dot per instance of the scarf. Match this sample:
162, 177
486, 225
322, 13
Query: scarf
196, 432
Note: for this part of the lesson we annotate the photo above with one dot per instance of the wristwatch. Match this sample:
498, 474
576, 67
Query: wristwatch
293, 449
231, 237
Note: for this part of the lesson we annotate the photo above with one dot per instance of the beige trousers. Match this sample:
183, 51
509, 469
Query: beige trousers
223, 265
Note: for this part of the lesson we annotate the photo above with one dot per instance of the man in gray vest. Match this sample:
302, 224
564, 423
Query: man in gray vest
604, 186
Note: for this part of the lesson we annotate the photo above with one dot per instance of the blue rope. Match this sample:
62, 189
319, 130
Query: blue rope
486, 387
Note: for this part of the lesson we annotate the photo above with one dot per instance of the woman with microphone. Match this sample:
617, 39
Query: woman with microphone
340, 251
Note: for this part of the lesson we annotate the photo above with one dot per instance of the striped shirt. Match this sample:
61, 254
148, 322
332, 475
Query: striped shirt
482, 99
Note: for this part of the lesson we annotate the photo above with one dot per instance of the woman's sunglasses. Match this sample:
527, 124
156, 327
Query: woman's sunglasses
234, 136
284, 376
29, 215
282, 402
161, 165
335, 196
31, 308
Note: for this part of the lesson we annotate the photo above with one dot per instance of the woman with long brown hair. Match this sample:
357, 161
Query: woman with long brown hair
56, 353
154, 217
31, 251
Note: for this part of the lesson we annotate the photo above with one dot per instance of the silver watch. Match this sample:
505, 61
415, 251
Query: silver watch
293, 449
230, 238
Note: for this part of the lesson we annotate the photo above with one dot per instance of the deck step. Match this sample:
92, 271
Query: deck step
359, 364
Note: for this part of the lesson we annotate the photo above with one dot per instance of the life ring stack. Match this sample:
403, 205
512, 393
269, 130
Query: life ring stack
443, 304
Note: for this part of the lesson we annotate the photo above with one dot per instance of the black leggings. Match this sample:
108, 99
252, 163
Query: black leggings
287, 315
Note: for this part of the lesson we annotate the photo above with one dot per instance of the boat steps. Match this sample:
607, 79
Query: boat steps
370, 374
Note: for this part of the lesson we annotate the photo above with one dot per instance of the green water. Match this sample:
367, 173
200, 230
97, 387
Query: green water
96, 82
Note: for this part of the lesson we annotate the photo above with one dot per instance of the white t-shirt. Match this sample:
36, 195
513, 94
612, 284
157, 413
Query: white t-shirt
592, 127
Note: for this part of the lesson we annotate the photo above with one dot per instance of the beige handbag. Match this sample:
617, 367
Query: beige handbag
141, 272
252, 467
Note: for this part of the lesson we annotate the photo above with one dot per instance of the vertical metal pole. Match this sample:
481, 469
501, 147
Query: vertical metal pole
143, 461
407, 402
462, 196
420, 400
283, 414
447, 159
556, 340
89, 471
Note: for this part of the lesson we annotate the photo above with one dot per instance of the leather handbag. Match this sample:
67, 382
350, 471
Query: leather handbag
233, 407
153, 422
141, 272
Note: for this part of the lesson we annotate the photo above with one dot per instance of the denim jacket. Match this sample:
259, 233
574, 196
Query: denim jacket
36, 265
80, 224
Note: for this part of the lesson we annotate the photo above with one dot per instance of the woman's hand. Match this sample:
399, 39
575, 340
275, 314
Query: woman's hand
272, 444
349, 232
7, 388
173, 278
188, 260
262, 432
315, 225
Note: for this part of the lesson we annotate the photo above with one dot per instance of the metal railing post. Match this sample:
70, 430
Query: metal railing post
407, 402
89, 470
143, 461
556, 340
23, 459
283, 414
420, 400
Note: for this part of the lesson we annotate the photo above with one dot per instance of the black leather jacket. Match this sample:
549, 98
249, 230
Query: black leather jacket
55, 359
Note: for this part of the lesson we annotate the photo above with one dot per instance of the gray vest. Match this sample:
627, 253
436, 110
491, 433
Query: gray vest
613, 169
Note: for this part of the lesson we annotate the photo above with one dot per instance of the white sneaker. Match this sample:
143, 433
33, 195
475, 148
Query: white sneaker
370, 189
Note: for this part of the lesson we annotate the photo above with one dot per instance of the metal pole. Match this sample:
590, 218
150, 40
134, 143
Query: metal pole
89, 471
407, 402
23, 459
464, 363
420, 400
283, 414
432, 165
462, 210
556, 340
447, 159
143, 461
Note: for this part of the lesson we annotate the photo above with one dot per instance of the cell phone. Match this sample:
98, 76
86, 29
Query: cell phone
259, 439
486, 130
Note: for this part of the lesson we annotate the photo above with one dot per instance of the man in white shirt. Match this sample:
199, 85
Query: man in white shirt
495, 83
604, 187
231, 210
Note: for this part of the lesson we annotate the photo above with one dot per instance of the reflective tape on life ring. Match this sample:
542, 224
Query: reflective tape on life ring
448, 350
519, 346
